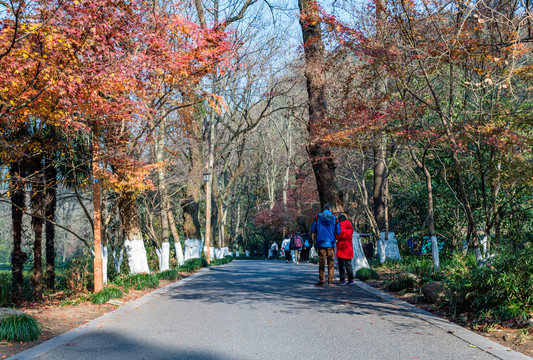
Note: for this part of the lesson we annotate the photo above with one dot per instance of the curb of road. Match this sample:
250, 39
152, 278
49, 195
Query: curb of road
67, 337
473, 339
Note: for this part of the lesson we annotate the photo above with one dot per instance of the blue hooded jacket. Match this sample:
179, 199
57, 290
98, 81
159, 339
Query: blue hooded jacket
326, 227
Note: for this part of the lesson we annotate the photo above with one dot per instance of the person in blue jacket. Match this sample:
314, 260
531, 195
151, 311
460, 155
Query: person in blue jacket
326, 227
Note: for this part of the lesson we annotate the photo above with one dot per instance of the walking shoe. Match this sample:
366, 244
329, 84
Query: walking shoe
342, 283
350, 282
320, 283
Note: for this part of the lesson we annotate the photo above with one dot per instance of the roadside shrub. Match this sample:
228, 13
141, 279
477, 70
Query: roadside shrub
226, 259
5, 288
106, 294
403, 281
421, 266
79, 274
365, 274
193, 264
168, 275
499, 290
19, 328
138, 281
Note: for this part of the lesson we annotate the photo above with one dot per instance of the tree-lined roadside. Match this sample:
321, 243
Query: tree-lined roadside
121, 121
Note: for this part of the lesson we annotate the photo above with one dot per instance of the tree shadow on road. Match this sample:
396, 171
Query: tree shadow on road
112, 345
261, 284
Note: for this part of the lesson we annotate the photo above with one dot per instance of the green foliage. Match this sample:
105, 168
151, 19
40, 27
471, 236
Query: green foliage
19, 328
107, 293
79, 274
421, 266
225, 260
138, 281
168, 275
499, 290
5, 288
192, 265
365, 274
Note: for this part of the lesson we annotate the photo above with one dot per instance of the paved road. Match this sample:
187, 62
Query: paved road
263, 310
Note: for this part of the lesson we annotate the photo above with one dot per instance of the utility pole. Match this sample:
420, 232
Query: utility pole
98, 277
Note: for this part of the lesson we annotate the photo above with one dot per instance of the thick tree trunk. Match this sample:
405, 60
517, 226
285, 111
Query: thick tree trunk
133, 241
37, 206
50, 210
18, 204
320, 156
191, 224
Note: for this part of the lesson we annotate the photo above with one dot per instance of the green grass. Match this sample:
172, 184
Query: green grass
168, 275
19, 328
106, 294
138, 281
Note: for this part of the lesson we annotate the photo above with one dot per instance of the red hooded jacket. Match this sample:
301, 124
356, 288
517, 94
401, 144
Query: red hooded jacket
344, 241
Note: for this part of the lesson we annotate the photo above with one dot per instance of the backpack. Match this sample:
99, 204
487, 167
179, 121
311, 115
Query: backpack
298, 242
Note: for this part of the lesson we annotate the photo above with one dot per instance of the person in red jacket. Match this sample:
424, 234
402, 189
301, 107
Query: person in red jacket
345, 251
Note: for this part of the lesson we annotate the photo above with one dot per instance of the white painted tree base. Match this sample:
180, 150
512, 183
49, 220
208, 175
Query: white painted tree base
435, 252
105, 257
179, 252
221, 253
136, 253
359, 260
193, 249
313, 253
118, 261
211, 252
164, 259
388, 249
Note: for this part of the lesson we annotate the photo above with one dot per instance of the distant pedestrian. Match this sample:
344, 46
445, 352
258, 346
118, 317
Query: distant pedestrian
307, 247
274, 250
345, 250
297, 246
285, 245
326, 227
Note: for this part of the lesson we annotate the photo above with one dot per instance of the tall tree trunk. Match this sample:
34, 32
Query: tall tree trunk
50, 173
379, 195
431, 212
37, 206
320, 156
18, 204
163, 194
133, 241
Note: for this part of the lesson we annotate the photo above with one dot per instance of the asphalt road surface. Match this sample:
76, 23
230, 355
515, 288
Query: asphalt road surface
262, 310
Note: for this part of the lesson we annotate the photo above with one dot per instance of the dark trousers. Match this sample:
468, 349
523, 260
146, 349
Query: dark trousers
345, 266
274, 254
288, 255
326, 254
305, 254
